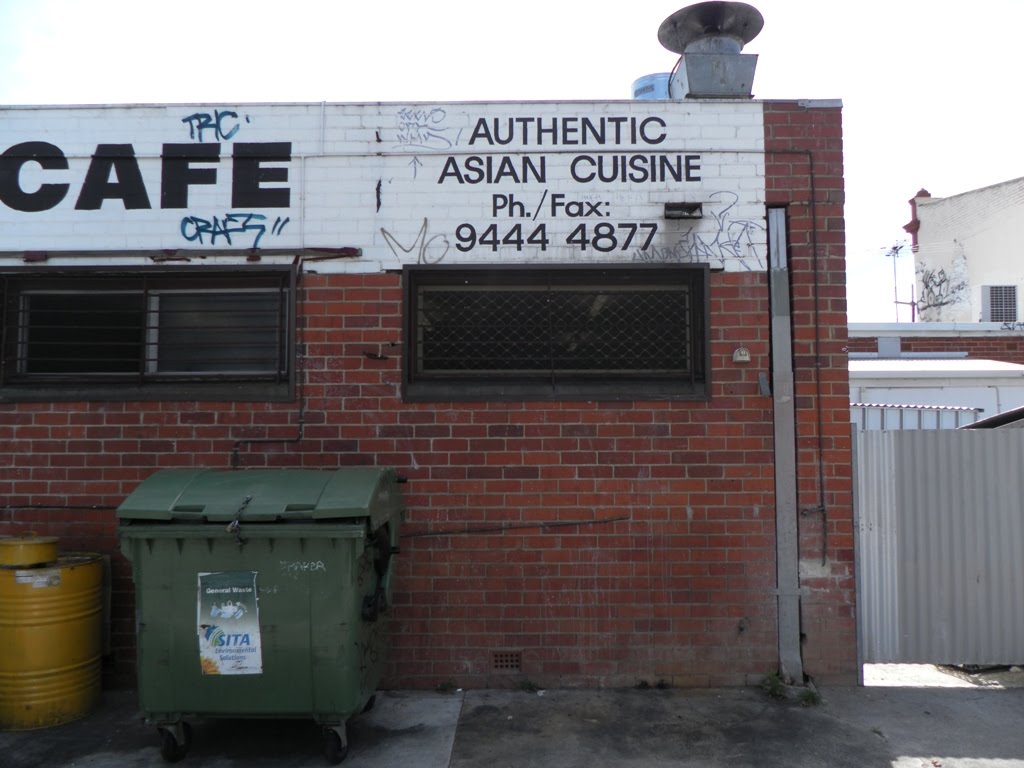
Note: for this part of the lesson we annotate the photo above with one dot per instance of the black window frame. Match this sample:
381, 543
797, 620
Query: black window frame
273, 379
421, 386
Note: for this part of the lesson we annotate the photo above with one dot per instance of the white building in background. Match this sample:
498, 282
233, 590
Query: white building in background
931, 393
963, 360
968, 254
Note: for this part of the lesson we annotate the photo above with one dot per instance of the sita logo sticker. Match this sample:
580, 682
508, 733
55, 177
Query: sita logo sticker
213, 635
217, 638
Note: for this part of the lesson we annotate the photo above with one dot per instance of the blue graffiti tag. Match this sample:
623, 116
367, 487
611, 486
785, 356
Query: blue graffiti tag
204, 121
206, 231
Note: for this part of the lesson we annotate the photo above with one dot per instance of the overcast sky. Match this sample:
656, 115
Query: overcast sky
930, 88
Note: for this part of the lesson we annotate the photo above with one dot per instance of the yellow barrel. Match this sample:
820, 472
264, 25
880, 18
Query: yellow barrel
27, 550
51, 641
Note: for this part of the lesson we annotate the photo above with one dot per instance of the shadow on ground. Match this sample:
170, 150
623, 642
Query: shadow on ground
850, 728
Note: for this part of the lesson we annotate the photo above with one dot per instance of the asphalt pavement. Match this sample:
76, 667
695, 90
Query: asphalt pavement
895, 727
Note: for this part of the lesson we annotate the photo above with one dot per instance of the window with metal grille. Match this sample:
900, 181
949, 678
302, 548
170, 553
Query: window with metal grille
148, 334
555, 333
999, 303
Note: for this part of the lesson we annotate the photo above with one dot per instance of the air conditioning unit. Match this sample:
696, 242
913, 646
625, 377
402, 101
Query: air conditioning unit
999, 303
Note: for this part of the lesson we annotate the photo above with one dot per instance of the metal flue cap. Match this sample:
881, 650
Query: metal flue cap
736, 20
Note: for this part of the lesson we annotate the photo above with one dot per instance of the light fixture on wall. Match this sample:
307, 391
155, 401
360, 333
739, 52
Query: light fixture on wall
741, 355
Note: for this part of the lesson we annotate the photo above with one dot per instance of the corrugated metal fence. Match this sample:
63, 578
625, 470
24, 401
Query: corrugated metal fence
941, 546
892, 416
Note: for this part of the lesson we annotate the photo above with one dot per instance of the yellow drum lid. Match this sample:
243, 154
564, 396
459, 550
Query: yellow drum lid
27, 550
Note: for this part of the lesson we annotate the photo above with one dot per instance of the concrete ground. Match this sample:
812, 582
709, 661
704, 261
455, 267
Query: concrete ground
977, 725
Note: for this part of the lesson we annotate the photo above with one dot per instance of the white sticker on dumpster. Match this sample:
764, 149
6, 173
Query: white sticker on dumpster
229, 624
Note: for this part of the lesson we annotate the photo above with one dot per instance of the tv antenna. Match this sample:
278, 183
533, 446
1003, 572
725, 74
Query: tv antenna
894, 252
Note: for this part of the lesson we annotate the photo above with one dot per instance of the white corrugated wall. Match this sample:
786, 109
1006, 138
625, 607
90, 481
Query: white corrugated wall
941, 546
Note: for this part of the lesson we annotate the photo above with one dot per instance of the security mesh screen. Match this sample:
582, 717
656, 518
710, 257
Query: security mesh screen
559, 329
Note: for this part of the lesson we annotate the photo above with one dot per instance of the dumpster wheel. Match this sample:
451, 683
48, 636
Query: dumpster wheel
335, 743
175, 741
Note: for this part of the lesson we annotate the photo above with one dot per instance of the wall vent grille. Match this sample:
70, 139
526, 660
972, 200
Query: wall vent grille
506, 661
999, 304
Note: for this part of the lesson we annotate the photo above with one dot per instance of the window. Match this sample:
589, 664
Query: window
148, 334
999, 303
527, 333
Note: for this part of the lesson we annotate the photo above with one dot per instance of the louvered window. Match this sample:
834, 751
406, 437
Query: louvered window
176, 334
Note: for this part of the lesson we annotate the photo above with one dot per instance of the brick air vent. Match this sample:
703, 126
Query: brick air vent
506, 661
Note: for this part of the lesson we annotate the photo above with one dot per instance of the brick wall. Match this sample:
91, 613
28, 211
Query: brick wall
1005, 346
657, 557
804, 172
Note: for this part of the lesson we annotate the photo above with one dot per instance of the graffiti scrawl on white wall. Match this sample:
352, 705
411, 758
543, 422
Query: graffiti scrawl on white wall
943, 294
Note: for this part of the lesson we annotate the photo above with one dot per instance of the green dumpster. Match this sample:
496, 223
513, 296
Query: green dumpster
260, 593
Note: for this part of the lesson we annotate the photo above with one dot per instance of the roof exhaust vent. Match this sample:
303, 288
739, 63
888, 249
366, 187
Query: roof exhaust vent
709, 37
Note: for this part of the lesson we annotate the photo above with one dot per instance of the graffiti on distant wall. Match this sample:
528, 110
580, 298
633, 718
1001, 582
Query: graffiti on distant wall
941, 290
938, 290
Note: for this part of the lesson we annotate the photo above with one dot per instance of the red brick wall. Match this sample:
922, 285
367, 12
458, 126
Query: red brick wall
1008, 348
660, 560
804, 172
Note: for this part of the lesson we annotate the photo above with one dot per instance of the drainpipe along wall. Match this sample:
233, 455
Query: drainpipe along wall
787, 553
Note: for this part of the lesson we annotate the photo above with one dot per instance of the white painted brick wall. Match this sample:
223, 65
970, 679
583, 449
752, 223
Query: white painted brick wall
341, 153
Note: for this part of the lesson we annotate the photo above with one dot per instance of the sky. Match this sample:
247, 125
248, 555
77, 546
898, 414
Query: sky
930, 88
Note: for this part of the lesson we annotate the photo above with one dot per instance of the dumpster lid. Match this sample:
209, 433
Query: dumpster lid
273, 494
